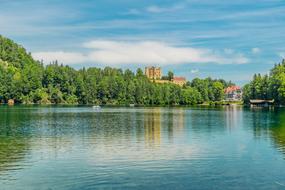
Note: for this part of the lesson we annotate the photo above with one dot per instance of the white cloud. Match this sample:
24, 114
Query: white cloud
61, 56
194, 71
255, 50
139, 52
229, 51
133, 12
158, 9
282, 55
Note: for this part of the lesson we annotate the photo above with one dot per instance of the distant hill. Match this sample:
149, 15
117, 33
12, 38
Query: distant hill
13, 53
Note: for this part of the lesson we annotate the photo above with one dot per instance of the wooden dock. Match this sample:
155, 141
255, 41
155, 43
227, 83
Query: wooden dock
261, 103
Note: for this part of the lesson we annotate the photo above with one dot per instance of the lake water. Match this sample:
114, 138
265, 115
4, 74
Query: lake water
55, 148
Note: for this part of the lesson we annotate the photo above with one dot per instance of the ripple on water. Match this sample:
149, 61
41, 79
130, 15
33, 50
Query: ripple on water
141, 148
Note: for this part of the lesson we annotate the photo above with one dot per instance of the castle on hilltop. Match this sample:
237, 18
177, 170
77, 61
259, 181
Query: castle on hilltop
155, 74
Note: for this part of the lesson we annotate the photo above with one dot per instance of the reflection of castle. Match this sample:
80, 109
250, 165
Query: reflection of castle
152, 127
157, 125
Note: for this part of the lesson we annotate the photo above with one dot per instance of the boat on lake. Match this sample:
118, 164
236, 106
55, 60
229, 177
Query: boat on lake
96, 107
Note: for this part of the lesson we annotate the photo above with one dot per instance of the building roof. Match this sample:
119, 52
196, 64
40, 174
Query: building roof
259, 101
231, 89
179, 78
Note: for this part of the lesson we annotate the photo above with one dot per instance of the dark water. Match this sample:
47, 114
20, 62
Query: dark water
141, 148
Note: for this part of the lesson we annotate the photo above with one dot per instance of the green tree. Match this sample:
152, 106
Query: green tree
218, 91
170, 75
28, 81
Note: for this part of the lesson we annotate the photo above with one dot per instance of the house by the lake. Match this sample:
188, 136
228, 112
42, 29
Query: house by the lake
233, 93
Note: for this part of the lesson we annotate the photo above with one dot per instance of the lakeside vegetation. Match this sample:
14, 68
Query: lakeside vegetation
267, 87
28, 81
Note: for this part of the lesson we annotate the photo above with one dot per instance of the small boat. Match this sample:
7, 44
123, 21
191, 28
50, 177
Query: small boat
132, 105
96, 107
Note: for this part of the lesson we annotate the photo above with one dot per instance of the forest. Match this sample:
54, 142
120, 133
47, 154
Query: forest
268, 87
28, 81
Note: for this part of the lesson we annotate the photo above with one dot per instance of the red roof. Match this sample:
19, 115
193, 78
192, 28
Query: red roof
179, 79
232, 89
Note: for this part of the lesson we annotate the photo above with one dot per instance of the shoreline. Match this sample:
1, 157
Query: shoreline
123, 105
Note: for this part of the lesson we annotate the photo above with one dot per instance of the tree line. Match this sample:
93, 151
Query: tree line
269, 86
28, 81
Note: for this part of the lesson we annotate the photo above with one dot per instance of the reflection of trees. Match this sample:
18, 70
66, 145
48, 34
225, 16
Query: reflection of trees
14, 143
207, 120
215, 120
12, 151
178, 117
168, 121
278, 135
270, 124
261, 122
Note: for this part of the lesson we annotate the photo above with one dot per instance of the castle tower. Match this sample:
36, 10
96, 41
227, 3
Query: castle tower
153, 72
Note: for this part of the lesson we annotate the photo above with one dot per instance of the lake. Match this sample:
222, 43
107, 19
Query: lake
55, 148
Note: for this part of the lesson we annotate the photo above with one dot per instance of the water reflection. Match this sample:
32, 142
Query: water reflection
161, 123
14, 139
152, 127
215, 120
270, 124
69, 148
233, 116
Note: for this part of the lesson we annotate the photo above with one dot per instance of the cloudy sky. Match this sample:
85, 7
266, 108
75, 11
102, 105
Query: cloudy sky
193, 38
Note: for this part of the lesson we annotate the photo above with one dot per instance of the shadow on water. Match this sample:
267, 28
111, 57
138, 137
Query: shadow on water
14, 138
270, 124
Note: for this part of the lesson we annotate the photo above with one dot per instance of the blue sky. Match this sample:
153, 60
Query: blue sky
194, 38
